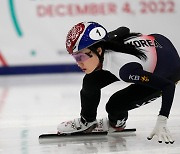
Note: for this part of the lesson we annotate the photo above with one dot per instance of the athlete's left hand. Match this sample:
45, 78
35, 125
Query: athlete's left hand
161, 131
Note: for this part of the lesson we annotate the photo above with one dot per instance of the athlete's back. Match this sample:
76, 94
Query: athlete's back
168, 60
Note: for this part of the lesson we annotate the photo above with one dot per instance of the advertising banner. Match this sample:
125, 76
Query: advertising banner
33, 32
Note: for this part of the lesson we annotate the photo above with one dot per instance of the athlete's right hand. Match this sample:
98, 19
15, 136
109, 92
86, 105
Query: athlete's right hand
161, 131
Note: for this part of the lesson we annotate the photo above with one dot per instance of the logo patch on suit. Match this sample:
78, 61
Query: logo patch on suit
139, 78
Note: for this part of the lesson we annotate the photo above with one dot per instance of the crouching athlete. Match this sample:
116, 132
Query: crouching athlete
150, 62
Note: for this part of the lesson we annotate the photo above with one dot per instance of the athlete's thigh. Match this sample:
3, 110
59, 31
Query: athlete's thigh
132, 97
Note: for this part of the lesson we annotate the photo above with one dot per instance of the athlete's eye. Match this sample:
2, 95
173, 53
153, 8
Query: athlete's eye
89, 54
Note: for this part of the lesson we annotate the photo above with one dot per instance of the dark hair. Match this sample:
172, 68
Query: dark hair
120, 46
94, 49
116, 43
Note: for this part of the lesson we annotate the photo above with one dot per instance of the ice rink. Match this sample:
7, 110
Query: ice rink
34, 104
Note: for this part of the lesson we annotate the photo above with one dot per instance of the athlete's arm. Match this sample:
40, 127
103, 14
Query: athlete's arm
91, 92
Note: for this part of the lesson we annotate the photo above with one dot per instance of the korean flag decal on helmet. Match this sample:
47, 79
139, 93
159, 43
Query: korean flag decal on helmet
97, 33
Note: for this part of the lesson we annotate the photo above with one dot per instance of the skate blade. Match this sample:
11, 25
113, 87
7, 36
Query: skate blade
57, 135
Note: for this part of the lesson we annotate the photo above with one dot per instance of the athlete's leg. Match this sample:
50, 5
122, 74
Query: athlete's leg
129, 98
90, 97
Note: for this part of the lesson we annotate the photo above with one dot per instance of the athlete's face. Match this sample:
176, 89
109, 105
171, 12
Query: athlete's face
87, 60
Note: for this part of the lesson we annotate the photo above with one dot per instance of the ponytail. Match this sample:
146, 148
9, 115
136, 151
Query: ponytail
116, 43
125, 48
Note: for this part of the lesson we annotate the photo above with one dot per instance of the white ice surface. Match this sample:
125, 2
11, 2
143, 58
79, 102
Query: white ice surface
35, 104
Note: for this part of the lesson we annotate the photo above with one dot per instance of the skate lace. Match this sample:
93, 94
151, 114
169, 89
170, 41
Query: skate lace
77, 124
100, 126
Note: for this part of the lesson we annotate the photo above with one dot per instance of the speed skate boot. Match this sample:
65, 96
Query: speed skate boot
76, 125
117, 126
104, 125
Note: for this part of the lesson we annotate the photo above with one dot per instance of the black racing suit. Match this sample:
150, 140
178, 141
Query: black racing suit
147, 85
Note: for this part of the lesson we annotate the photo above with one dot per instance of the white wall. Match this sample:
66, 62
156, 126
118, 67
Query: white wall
36, 34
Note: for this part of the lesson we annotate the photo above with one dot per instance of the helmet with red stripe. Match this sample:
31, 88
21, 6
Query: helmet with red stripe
83, 35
